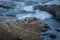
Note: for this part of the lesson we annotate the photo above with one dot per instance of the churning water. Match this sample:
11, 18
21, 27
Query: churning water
21, 9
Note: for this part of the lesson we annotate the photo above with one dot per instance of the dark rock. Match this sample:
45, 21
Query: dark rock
46, 27
58, 15
40, 7
54, 9
58, 30
44, 30
5, 6
49, 8
52, 36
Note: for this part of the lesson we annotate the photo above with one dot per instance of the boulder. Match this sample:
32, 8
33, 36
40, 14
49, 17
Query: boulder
32, 28
49, 8
52, 9
26, 29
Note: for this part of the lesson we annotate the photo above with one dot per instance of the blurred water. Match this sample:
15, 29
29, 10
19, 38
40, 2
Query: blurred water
25, 8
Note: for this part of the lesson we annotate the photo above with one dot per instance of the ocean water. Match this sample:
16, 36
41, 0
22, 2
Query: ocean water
21, 9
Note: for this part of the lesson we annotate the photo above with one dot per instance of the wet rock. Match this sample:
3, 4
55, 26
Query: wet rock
52, 9
44, 30
49, 8
58, 15
52, 36
7, 4
58, 30
5, 7
39, 7
46, 27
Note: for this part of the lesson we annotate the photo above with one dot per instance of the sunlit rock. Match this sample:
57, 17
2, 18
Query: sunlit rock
27, 29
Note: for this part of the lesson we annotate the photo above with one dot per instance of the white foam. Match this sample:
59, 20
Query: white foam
20, 5
28, 8
38, 14
42, 15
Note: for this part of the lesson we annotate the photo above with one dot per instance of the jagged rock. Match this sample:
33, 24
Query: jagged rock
4, 33
26, 29
49, 8
31, 26
52, 9
31, 20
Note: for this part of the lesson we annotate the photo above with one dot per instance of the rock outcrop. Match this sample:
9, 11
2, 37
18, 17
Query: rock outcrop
26, 29
49, 8
52, 9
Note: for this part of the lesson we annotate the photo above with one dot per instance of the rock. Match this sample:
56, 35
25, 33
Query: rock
52, 36
5, 19
31, 20
4, 33
44, 30
49, 8
28, 20
39, 7
5, 7
52, 9
7, 4
58, 30
46, 27
30, 27
16, 30
58, 15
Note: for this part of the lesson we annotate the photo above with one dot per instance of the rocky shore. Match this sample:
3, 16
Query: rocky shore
26, 29
52, 9
30, 20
